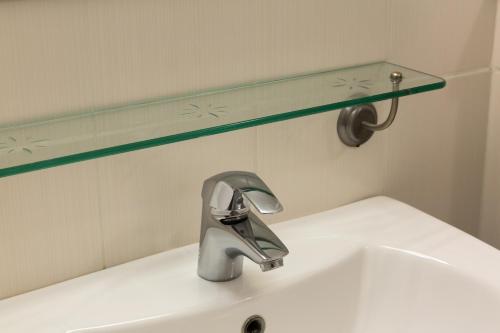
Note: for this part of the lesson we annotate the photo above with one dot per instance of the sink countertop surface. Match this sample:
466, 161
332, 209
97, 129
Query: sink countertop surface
357, 266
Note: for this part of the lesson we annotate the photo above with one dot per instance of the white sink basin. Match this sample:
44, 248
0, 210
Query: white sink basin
373, 266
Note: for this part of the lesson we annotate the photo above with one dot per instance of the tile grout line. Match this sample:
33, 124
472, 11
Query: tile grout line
99, 208
389, 50
457, 75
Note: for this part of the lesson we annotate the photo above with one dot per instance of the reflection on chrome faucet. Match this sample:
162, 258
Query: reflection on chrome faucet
230, 231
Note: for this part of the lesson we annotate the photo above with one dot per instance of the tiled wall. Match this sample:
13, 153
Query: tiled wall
65, 54
490, 214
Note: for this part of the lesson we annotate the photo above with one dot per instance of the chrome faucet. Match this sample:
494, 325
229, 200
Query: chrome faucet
230, 231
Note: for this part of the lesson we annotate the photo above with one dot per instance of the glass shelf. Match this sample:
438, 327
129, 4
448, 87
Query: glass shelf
113, 130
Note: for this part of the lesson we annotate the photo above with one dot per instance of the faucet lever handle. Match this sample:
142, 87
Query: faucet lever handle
261, 196
227, 192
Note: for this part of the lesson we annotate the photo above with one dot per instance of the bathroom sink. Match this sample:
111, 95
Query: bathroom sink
374, 266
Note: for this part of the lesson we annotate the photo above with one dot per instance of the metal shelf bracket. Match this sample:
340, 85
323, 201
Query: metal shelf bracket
357, 124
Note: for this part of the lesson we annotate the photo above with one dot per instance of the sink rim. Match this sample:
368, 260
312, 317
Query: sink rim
375, 222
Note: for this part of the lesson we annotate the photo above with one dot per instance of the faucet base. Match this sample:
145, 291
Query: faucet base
231, 270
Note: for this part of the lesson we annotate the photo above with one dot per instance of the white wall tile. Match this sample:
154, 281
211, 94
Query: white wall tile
490, 215
443, 36
59, 55
310, 170
496, 45
151, 199
436, 151
49, 227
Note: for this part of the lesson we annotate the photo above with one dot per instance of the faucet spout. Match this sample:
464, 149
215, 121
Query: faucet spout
258, 242
270, 265
230, 231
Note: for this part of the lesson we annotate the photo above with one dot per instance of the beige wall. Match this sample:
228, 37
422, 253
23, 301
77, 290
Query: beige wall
490, 213
59, 55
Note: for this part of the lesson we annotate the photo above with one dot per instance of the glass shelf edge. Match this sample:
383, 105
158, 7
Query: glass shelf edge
200, 93
155, 142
